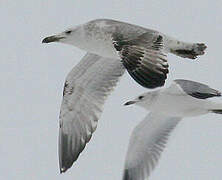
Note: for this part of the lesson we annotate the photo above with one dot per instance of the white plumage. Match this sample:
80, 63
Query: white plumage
86, 89
167, 107
112, 46
142, 51
147, 142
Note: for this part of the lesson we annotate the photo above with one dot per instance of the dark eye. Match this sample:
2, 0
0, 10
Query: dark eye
68, 32
140, 97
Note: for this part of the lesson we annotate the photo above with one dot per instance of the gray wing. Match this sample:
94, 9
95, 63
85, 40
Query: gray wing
86, 89
146, 144
197, 90
143, 57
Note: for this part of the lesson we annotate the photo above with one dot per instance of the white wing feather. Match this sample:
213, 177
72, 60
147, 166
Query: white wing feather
86, 89
146, 144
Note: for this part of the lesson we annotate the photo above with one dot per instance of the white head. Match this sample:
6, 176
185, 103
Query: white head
70, 36
144, 100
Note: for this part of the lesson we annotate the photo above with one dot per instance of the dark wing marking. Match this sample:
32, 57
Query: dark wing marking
126, 175
217, 111
143, 58
197, 90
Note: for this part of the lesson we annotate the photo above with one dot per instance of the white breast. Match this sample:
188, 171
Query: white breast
97, 42
102, 47
179, 105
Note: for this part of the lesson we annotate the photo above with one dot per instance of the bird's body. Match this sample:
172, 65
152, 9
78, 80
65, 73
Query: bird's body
166, 106
175, 102
179, 104
97, 37
142, 51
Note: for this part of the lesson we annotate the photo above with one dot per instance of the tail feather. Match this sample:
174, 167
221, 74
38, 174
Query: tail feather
190, 51
217, 111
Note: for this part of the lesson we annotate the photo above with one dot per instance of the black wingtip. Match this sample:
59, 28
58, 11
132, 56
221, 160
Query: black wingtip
147, 82
63, 170
217, 111
66, 158
126, 175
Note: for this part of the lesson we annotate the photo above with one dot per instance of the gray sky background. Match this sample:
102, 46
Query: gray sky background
32, 78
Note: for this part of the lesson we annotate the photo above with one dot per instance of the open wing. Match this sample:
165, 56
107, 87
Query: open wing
86, 89
146, 144
143, 58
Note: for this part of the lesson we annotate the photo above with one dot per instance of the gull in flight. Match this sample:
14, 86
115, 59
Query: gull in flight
112, 46
167, 107
142, 51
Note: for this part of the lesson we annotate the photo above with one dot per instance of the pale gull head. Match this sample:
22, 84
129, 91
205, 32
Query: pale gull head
67, 37
144, 100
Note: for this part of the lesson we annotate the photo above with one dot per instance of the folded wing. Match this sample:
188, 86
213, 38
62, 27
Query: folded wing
197, 90
146, 144
85, 91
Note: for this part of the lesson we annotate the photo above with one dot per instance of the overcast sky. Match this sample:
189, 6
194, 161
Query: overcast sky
32, 78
